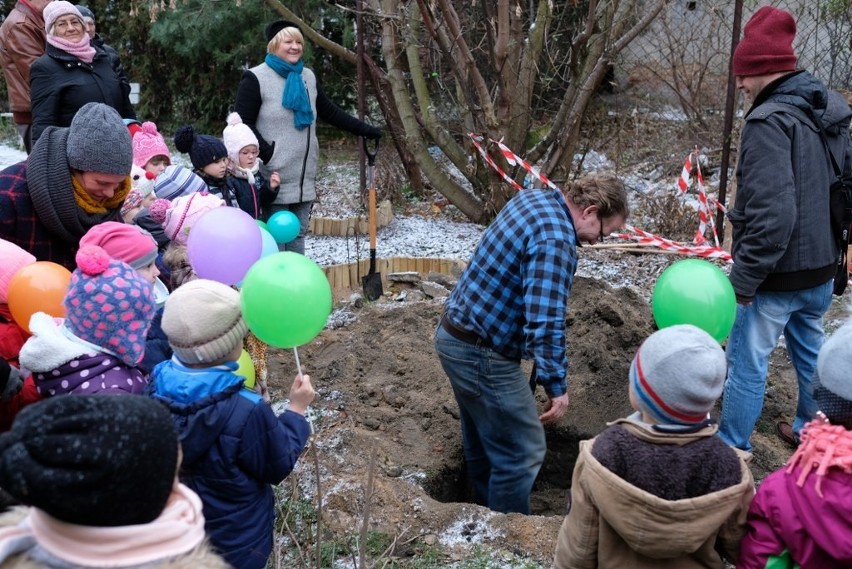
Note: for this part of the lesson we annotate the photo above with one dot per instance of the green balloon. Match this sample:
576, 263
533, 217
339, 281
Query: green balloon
262, 224
697, 292
286, 299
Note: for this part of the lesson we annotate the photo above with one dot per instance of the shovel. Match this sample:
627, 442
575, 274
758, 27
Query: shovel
372, 281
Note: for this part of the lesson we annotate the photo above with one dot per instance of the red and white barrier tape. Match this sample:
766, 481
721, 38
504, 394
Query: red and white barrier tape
636, 234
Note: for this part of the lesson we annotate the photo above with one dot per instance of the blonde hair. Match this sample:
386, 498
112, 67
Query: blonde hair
285, 33
605, 191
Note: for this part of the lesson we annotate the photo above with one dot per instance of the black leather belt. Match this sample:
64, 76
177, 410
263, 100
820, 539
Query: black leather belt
464, 335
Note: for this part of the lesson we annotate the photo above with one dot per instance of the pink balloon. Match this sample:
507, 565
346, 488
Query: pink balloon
223, 244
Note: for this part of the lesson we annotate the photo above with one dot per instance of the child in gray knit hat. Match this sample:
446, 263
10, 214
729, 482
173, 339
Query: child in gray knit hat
658, 487
801, 511
234, 446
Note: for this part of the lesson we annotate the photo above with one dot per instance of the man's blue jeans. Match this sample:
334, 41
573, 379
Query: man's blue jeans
503, 439
799, 315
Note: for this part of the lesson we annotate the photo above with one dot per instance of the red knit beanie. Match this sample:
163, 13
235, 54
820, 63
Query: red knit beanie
767, 44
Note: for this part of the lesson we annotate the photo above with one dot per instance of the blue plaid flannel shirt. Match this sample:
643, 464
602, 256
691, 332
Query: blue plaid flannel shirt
515, 289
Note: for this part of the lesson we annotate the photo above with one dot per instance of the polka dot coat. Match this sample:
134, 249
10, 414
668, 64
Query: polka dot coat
91, 373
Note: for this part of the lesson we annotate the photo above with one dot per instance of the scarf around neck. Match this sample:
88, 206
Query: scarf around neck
82, 50
295, 96
90, 204
52, 192
177, 531
247, 174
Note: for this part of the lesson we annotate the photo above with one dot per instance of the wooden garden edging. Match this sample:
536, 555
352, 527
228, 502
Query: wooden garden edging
345, 279
351, 225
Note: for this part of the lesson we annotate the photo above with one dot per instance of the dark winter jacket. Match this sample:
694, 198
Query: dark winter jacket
37, 207
782, 239
61, 84
284, 149
157, 349
115, 61
252, 198
234, 448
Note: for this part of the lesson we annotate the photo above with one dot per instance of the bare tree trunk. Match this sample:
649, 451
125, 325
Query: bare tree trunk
485, 74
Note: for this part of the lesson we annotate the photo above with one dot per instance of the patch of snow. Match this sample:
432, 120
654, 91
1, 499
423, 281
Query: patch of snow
402, 237
10, 155
473, 528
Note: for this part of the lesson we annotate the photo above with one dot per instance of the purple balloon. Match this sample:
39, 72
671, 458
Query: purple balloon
284, 226
223, 244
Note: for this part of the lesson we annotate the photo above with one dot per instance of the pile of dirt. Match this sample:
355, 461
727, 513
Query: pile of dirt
384, 397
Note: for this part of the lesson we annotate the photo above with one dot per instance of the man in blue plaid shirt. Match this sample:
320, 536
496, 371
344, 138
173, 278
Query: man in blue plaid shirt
511, 304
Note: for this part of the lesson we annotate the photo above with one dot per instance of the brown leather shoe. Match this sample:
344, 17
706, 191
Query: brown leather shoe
785, 431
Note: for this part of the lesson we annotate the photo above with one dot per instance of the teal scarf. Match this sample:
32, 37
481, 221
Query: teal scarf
295, 96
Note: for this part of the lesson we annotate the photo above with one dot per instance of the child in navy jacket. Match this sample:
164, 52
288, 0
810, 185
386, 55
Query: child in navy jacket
234, 447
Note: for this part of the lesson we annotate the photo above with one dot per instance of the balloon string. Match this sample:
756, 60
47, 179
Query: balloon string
298, 365
308, 414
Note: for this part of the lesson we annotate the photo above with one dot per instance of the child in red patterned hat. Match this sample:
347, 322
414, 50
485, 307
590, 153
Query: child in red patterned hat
149, 149
17, 389
99, 345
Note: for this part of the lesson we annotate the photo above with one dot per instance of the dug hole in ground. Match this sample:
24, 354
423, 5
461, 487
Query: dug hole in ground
383, 398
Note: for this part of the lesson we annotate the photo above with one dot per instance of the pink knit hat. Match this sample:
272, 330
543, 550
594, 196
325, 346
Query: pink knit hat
178, 216
109, 305
148, 143
122, 241
12, 258
55, 10
237, 135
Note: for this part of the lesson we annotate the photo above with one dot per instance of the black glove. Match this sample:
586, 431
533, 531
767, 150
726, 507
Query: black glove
13, 384
373, 133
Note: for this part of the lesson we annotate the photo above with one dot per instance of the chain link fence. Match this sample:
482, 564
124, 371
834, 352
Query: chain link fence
680, 64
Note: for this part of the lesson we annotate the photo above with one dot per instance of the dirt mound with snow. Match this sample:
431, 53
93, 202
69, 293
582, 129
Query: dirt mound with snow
384, 397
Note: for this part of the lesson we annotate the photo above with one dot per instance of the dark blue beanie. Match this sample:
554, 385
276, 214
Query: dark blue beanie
203, 149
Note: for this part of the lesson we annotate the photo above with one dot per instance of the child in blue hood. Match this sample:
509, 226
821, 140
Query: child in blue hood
234, 446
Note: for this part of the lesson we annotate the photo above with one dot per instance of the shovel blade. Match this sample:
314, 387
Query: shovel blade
372, 285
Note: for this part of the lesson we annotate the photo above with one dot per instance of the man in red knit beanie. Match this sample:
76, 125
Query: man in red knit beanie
785, 255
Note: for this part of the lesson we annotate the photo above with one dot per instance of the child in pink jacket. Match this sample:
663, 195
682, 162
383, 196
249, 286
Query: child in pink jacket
802, 513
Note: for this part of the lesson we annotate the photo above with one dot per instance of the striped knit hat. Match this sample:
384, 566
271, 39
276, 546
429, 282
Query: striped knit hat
677, 375
176, 181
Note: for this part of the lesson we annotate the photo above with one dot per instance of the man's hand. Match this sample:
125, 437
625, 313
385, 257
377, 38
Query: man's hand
554, 409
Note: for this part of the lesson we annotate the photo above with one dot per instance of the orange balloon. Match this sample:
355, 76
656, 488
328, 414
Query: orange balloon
38, 287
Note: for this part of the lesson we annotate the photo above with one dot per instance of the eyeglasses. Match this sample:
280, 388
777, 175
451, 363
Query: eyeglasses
248, 152
62, 25
601, 237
